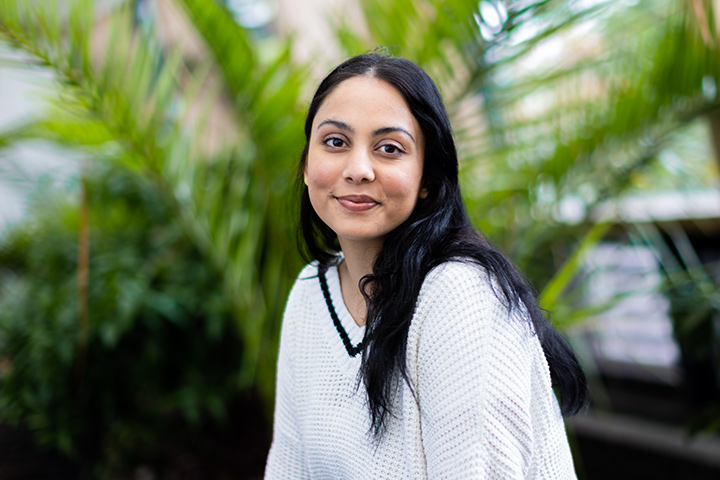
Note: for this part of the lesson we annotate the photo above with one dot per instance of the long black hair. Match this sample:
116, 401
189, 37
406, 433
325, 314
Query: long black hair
437, 230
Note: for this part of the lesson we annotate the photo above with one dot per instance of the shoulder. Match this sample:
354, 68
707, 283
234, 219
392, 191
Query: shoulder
460, 295
305, 282
463, 327
308, 272
456, 269
461, 281
300, 306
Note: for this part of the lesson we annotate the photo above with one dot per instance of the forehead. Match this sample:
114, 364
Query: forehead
366, 99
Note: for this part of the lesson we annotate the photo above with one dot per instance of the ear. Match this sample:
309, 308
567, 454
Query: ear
305, 175
423, 193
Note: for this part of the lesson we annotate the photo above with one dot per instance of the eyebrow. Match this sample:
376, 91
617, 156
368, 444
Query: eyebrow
384, 130
379, 131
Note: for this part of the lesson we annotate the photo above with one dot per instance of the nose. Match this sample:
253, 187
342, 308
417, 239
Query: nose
359, 167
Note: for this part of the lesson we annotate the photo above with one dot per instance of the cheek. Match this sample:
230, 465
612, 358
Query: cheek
316, 176
404, 187
319, 175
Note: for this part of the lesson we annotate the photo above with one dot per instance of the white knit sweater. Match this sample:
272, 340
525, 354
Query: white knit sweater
485, 407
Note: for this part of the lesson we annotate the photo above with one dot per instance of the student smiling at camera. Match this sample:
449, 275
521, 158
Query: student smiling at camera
410, 347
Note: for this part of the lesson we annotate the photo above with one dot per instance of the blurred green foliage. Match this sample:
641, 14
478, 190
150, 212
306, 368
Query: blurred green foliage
159, 343
190, 255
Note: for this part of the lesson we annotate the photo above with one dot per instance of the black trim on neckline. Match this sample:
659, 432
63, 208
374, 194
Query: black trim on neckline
352, 351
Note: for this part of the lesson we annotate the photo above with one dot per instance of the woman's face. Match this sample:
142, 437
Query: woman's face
365, 161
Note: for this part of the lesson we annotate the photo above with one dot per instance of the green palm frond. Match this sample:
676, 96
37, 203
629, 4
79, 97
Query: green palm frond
252, 244
232, 204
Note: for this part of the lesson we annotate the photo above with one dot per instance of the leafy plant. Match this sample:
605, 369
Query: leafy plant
160, 342
189, 260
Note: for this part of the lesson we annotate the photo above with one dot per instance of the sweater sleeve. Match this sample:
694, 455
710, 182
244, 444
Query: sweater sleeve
473, 377
286, 458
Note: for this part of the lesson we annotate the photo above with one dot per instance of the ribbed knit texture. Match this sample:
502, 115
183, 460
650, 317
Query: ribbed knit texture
485, 408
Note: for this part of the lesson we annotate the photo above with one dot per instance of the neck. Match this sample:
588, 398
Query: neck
359, 261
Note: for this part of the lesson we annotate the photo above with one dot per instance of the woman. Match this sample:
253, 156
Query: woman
410, 347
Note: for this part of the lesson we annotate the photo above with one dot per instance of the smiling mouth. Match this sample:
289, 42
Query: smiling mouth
357, 203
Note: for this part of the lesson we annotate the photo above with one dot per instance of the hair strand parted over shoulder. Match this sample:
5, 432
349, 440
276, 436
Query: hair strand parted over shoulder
437, 231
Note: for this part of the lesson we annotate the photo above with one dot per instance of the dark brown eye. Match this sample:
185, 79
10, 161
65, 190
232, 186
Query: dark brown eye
390, 149
335, 142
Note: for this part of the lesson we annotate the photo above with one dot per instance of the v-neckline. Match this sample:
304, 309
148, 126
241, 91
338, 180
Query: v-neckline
348, 330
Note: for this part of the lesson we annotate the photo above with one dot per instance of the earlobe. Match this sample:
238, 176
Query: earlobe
305, 176
423, 193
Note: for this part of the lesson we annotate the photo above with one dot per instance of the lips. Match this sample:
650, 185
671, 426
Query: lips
357, 203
